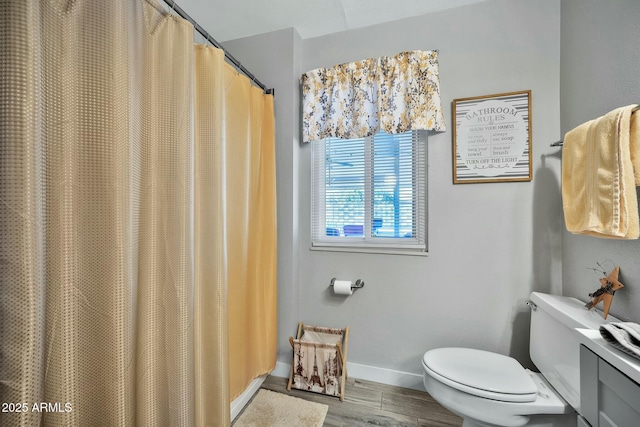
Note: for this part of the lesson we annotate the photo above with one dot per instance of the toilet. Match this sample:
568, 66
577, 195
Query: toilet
489, 389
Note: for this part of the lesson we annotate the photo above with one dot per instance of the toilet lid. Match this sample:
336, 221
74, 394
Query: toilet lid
481, 373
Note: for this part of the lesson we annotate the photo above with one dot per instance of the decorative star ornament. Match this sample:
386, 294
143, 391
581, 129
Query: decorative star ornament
608, 286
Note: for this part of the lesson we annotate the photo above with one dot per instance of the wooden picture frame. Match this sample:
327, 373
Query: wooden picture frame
492, 138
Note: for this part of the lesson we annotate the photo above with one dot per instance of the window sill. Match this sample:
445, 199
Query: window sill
370, 250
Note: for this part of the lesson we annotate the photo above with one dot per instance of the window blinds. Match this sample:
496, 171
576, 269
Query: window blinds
370, 192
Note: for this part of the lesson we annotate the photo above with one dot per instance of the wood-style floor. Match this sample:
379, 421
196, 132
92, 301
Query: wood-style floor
369, 404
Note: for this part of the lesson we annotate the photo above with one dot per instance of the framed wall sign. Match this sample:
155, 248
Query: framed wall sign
492, 138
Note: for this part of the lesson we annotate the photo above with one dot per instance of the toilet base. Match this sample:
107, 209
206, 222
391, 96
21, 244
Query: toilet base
564, 420
547, 411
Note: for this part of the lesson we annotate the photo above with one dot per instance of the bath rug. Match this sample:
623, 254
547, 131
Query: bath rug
271, 409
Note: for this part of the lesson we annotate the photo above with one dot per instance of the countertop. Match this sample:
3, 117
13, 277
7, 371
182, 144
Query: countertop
623, 362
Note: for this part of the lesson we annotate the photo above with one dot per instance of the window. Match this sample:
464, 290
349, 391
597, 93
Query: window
370, 193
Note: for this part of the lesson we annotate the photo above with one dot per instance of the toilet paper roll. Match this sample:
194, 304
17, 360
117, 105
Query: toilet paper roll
342, 287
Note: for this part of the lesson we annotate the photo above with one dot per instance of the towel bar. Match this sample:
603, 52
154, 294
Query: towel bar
559, 143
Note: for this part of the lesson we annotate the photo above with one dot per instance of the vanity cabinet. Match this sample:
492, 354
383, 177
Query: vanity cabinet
608, 398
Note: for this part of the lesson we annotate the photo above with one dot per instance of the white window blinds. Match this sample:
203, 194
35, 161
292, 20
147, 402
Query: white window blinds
370, 192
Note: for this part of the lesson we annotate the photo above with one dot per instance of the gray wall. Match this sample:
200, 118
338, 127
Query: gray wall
490, 245
599, 71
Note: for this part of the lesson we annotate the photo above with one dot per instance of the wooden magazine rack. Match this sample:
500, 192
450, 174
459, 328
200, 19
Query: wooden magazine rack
319, 360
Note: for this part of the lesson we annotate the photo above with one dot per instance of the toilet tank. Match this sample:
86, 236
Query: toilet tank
554, 345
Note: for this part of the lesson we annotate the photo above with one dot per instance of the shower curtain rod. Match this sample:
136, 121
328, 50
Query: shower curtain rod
174, 7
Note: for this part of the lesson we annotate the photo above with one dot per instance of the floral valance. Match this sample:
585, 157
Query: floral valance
394, 94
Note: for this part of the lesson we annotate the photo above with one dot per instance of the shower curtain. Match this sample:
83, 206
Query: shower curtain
251, 219
117, 248
246, 125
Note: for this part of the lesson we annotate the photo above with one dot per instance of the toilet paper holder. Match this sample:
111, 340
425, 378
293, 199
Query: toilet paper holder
357, 285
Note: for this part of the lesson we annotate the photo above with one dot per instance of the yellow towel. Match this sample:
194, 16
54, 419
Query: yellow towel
598, 182
634, 145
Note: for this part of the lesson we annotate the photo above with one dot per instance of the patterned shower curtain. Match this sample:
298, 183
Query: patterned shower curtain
115, 250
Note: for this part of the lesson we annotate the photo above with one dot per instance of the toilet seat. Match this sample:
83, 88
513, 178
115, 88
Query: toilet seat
481, 373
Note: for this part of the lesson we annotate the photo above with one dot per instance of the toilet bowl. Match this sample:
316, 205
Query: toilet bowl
489, 389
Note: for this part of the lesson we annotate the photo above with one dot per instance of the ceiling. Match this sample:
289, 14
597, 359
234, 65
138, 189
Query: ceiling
233, 19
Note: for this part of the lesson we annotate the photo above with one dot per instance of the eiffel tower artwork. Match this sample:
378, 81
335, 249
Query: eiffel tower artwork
331, 374
315, 382
299, 367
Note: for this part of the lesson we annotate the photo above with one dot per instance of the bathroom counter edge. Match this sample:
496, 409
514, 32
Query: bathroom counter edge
621, 361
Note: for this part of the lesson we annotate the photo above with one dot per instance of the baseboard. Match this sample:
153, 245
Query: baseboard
368, 373
282, 370
355, 370
241, 401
